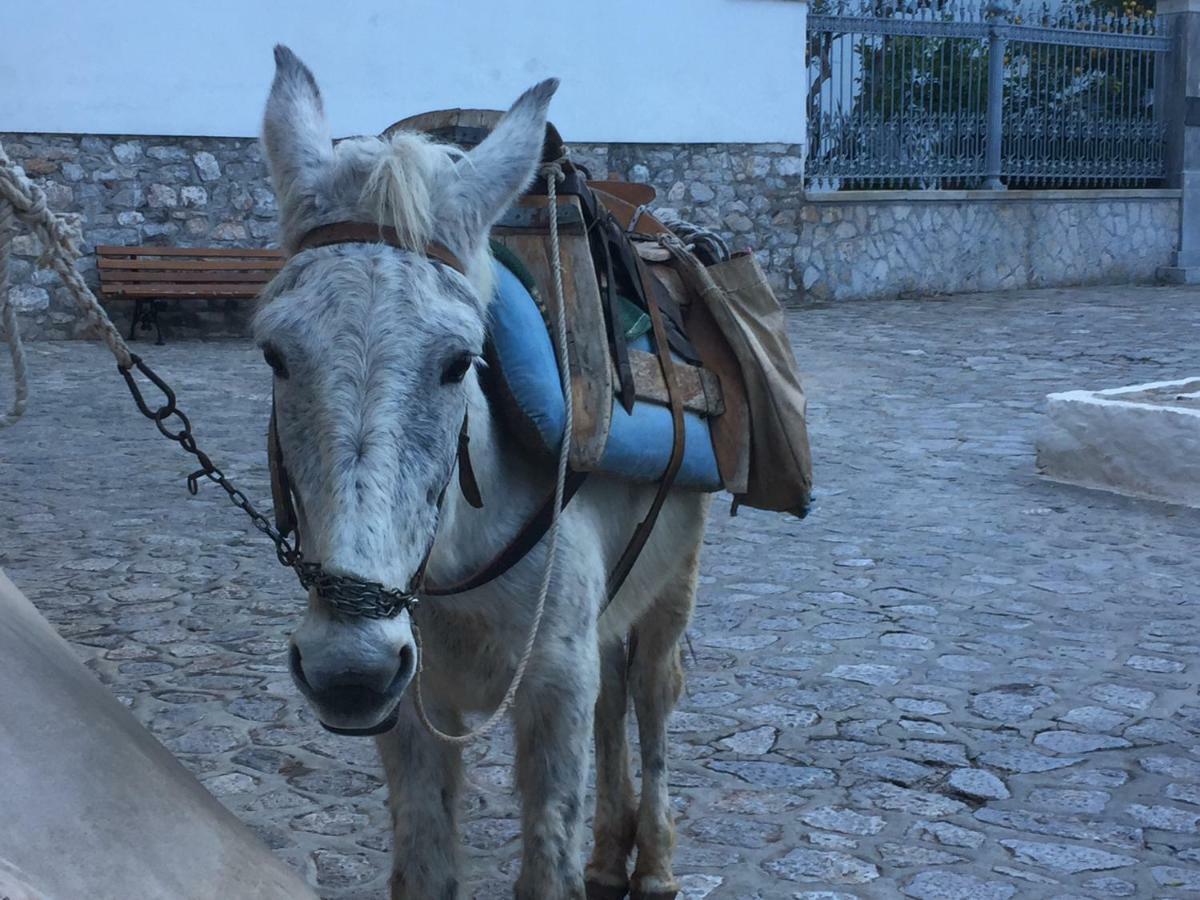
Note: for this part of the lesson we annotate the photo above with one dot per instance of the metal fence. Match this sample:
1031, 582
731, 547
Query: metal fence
956, 94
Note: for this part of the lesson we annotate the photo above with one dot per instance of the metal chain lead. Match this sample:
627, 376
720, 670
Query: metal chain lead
60, 241
349, 596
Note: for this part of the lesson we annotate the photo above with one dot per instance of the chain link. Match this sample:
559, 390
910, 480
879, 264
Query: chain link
352, 597
60, 242
286, 551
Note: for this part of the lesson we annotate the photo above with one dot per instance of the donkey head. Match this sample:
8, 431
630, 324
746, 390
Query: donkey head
372, 350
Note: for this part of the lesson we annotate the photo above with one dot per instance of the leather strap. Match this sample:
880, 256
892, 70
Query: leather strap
467, 482
281, 488
527, 538
626, 391
620, 249
372, 233
663, 348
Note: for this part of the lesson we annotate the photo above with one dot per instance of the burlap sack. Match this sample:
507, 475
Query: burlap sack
745, 308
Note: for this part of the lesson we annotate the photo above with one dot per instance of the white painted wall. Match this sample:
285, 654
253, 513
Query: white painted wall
632, 70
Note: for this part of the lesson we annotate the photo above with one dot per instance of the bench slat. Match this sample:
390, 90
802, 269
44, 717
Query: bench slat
137, 276
238, 252
167, 265
180, 291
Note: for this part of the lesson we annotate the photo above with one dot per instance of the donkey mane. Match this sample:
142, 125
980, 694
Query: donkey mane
396, 181
400, 185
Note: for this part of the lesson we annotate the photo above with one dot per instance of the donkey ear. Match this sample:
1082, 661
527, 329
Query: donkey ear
295, 133
500, 169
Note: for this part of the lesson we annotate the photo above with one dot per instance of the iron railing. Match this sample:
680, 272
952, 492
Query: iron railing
956, 94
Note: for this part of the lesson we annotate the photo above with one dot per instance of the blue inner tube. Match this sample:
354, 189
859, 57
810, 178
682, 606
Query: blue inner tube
523, 361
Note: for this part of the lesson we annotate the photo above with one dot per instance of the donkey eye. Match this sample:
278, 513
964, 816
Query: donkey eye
275, 360
456, 370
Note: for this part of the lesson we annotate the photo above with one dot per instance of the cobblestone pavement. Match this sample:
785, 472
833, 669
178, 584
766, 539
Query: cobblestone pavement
954, 680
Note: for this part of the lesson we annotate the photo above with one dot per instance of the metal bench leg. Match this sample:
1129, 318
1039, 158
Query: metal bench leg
157, 327
137, 315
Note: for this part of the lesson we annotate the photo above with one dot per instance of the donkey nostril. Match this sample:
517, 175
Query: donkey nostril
295, 666
408, 665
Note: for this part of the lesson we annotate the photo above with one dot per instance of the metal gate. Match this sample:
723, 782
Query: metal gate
942, 94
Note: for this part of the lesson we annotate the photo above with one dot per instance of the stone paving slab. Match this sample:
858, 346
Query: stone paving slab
954, 680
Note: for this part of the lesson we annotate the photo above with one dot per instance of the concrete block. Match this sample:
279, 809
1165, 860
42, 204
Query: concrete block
1143, 440
91, 805
1179, 274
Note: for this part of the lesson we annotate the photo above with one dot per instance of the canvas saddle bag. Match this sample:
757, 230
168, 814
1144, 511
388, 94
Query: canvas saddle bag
740, 299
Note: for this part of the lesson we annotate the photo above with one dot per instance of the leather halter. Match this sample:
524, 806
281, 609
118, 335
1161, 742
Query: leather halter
383, 602
371, 233
353, 597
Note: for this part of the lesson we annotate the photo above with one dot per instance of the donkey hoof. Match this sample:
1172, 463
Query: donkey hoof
598, 891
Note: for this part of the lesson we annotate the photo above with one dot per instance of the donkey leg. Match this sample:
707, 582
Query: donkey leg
614, 825
424, 778
553, 718
656, 680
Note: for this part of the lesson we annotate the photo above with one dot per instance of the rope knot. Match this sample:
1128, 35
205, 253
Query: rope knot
554, 168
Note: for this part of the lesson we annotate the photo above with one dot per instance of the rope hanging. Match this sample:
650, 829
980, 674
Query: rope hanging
8, 324
20, 198
553, 174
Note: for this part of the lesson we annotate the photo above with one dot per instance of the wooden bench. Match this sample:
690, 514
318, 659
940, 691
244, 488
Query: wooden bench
152, 276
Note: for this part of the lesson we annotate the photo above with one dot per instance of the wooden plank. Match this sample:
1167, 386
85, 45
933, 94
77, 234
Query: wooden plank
592, 375
701, 389
181, 291
447, 118
676, 289
139, 276
630, 191
189, 265
532, 213
238, 252
591, 368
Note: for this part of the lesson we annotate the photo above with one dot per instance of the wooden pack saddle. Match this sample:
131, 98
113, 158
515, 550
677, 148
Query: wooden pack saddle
619, 283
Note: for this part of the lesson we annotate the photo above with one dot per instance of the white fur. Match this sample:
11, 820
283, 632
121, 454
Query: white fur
368, 431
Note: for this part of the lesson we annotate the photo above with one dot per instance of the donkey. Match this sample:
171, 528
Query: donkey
375, 352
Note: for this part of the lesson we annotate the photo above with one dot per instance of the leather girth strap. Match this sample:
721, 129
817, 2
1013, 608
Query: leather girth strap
371, 233
652, 290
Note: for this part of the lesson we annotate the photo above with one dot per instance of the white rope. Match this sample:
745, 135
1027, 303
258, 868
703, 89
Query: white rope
8, 324
60, 241
553, 173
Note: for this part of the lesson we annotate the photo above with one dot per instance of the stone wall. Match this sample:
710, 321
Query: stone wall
215, 192
864, 245
172, 191
877, 244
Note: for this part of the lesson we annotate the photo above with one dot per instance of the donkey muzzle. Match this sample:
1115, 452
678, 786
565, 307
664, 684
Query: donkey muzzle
355, 693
